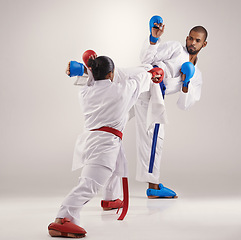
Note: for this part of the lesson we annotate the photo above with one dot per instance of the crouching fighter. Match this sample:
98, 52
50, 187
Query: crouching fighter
99, 151
112, 190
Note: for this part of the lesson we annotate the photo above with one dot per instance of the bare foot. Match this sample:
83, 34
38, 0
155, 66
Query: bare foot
154, 186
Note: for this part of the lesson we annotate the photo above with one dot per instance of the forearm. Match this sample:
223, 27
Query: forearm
148, 52
143, 80
132, 71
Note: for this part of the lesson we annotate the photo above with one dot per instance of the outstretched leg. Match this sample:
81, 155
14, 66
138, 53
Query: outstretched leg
92, 179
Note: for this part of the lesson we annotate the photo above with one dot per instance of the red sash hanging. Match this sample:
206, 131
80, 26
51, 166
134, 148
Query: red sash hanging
125, 198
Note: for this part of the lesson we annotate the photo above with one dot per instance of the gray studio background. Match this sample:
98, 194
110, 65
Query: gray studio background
41, 117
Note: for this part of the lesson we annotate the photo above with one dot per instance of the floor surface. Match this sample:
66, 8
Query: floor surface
27, 218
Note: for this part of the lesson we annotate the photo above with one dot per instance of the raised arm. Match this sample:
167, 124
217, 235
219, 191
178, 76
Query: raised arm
151, 44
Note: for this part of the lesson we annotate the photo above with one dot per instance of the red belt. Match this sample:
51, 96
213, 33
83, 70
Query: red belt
124, 179
110, 130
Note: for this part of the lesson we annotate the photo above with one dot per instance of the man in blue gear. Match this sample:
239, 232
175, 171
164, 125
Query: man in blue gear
185, 81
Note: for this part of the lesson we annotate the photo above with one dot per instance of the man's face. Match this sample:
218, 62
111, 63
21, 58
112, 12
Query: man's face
195, 42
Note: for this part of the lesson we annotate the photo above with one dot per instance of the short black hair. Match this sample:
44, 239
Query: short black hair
200, 29
101, 66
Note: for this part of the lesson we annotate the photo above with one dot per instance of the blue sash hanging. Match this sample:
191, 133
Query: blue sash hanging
155, 133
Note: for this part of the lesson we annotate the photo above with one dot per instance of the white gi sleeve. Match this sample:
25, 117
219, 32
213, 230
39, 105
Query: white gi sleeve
167, 50
186, 100
133, 71
120, 75
81, 80
86, 79
148, 52
139, 74
157, 54
142, 82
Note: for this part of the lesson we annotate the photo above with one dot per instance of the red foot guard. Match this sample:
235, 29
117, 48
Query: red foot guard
66, 229
109, 205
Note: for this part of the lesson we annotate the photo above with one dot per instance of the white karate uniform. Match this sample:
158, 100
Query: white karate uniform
169, 56
100, 153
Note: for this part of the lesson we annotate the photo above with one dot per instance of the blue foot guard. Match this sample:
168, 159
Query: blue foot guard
162, 192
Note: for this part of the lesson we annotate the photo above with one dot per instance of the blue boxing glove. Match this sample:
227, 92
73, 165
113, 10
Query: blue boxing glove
76, 69
155, 19
188, 69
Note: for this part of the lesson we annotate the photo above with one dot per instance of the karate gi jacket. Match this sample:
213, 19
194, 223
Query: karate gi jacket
107, 103
170, 56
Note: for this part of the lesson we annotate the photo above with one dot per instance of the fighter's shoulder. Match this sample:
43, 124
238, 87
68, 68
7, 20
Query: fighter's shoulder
119, 72
174, 44
120, 75
171, 45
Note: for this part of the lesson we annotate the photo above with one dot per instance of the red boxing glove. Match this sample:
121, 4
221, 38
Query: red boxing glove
157, 74
87, 55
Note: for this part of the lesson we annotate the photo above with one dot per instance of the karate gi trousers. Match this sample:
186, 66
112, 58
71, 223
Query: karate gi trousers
145, 138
